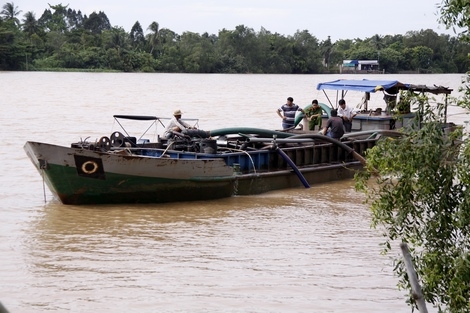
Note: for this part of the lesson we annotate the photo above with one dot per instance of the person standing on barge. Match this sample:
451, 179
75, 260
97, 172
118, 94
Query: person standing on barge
289, 109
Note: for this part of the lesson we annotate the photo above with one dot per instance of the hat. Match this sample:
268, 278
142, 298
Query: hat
379, 88
177, 112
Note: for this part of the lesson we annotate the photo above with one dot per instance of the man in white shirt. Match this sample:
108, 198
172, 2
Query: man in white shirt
176, 125
347, 114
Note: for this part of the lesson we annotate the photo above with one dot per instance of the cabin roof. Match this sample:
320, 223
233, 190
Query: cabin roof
390, 86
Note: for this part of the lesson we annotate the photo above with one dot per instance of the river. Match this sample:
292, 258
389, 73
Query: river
296, 250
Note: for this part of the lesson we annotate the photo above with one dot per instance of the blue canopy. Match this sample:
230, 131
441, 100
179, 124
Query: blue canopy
364, 85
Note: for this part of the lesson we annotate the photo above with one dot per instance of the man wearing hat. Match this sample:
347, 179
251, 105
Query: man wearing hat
176, 125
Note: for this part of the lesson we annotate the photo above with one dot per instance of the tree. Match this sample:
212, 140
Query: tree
54, 41
241, 50
421, 192
168, 55
30, 24
307, 55
438, 45
10, 13
390, 60
231, 47
45, 20
456, 14
31, 28
154, 36
12, 51
421, 196
74, 19
117, 44
197, 53
97, 22
137, 35
377, 42
364, 52
326, 47
238, 50
422, 57
56, 21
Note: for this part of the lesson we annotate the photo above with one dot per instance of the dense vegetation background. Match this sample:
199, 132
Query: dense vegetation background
63, 38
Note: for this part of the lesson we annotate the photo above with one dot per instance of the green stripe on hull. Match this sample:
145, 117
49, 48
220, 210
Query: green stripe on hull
71, 188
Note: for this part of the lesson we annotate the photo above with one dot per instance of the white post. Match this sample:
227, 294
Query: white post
415, 287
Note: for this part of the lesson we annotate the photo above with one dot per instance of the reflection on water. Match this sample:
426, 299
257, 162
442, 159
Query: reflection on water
293, 251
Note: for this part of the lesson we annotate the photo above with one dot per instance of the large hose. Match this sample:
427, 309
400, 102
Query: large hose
250, 131
338, 143
300, 116
294, 167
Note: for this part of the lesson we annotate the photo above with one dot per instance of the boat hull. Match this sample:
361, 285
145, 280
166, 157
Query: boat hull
80, 176
259, 183
77, 176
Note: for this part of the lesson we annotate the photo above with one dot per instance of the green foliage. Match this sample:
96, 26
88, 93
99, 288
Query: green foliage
48, 63
10, 12
241, 50
422, 57
456, 13
137, 36
418, 188
390, 60
12, 47
97, 22
464, 101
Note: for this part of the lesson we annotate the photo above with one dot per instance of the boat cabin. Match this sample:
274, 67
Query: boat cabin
393, 112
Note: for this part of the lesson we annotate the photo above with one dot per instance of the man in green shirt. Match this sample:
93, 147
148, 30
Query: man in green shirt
314, 114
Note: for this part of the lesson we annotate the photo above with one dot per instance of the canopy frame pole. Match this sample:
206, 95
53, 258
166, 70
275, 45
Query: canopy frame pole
328, 98
445, 109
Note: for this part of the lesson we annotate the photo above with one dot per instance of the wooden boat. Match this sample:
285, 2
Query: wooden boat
199, 165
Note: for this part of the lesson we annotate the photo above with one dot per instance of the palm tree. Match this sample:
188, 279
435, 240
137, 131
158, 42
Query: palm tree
377, 42
30, 24
154, 37
10, 12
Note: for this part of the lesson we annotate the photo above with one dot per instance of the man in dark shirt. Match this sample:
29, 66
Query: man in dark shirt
289, 109
335, 126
